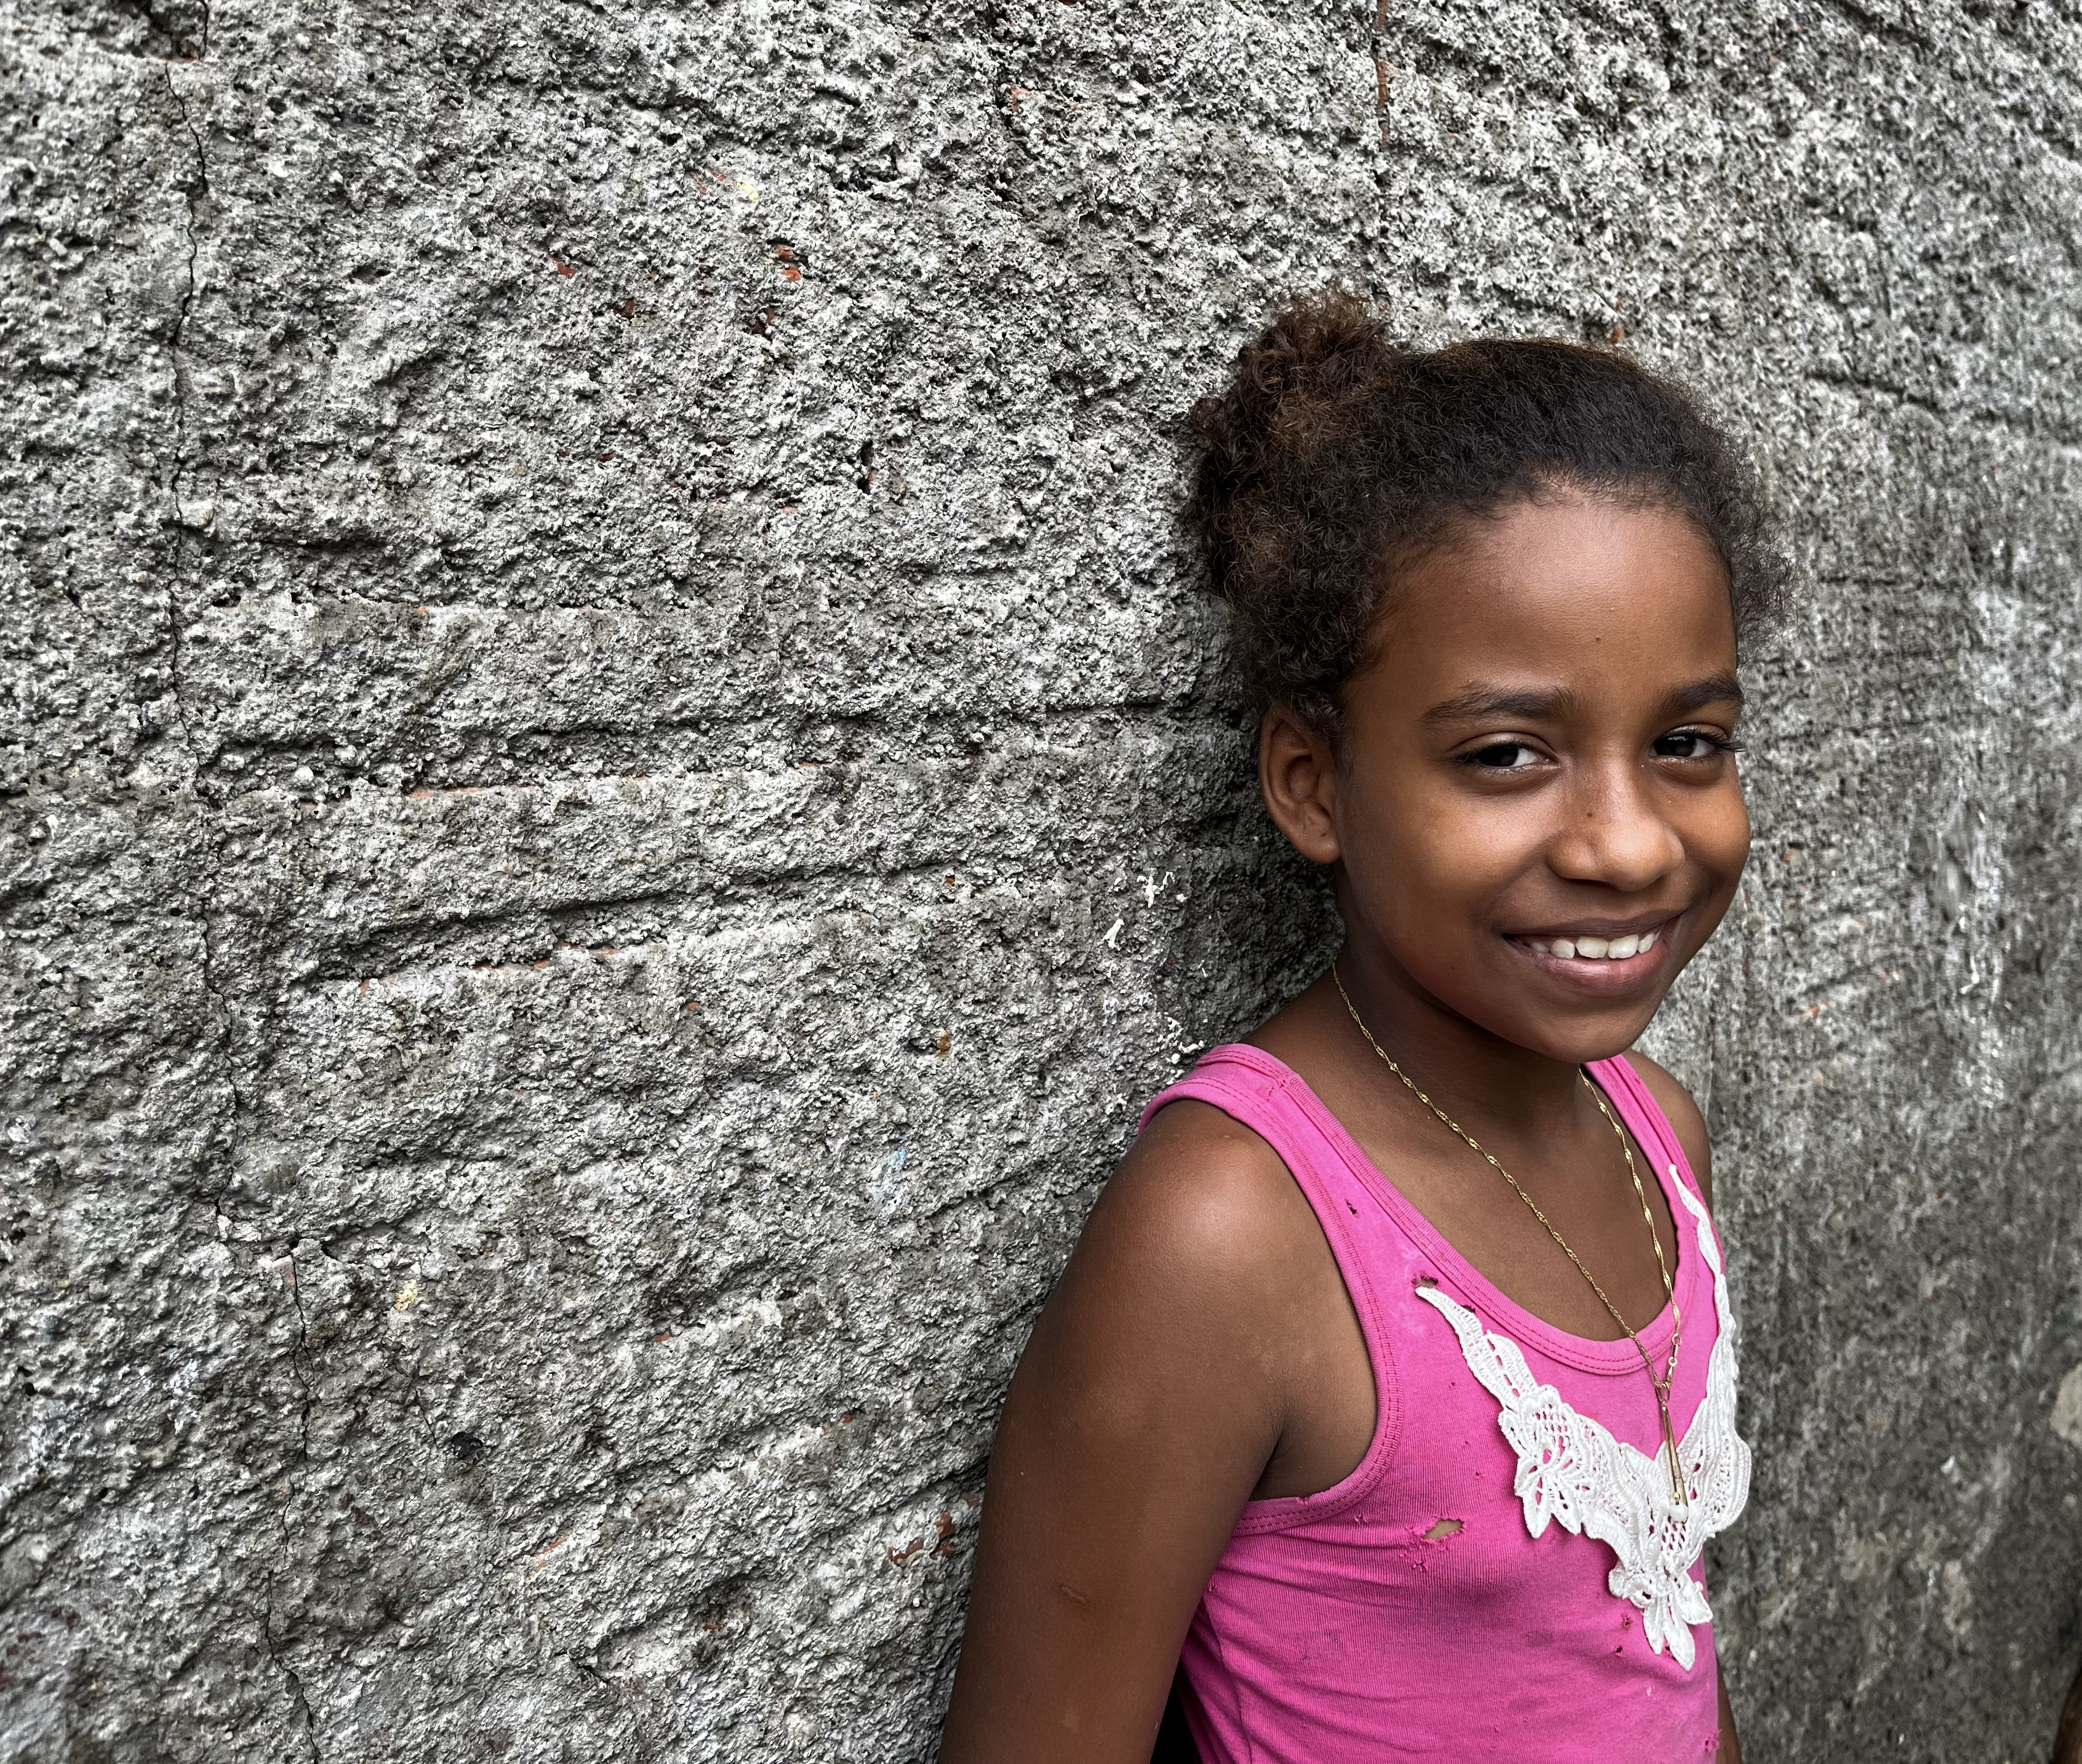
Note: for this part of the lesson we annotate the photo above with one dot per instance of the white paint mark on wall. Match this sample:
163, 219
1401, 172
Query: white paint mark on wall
2067, 1409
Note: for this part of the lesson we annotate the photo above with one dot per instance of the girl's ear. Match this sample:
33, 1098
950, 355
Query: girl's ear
1297, 775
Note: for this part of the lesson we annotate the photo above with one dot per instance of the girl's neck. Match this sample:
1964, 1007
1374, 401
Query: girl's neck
1464, 1068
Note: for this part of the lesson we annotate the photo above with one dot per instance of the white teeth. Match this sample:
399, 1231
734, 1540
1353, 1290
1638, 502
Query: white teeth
1597, 949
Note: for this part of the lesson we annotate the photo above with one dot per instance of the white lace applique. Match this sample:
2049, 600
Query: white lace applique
1572, 1471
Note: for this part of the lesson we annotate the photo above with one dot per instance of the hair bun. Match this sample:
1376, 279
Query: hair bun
1316, 361
1333, 453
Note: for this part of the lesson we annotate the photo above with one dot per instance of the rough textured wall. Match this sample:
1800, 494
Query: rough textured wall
614, 786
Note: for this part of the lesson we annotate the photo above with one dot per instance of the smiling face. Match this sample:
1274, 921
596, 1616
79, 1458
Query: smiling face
1535, 814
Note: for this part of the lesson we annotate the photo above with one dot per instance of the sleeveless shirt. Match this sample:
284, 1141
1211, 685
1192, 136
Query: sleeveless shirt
1507, 1574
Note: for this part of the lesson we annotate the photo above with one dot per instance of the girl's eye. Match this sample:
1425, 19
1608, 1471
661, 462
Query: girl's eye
1503, 757
1693, 744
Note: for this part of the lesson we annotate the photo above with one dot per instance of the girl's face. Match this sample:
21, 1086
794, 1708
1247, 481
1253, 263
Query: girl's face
1537, 820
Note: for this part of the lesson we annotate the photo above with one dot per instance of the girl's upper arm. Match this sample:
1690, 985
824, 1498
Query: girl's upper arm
1148, 1401
1684, 1116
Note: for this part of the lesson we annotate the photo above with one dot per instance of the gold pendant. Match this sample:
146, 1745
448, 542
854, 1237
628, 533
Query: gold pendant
1677, 1491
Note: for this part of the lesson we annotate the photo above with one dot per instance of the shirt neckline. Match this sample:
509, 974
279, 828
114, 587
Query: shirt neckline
1607, 1359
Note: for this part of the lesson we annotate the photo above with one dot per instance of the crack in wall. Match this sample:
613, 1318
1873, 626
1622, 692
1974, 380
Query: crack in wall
176, 660
302, 1700
1383, 68
211, 986
282, 1513
297, 1361
186, 306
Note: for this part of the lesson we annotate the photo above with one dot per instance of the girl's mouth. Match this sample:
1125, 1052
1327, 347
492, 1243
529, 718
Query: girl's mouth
1607, 960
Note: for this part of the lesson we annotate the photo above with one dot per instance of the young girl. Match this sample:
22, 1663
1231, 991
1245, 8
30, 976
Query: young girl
1392, 1382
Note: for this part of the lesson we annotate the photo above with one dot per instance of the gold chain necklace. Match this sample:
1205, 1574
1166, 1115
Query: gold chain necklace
1661, 1385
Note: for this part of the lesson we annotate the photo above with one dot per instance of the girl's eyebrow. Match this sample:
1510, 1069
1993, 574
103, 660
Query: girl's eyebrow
1483, 704
1715, 689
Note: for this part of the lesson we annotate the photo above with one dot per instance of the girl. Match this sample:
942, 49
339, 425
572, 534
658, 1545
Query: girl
1393, 1378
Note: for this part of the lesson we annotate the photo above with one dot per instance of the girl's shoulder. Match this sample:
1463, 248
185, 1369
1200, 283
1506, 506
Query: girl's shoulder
1204, 1193
1683, 1114
1174, 1333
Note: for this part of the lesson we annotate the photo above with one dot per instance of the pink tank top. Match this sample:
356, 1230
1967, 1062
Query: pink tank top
1508, 1574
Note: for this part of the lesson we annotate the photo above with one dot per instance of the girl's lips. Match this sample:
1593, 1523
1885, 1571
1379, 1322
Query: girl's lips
1599, 969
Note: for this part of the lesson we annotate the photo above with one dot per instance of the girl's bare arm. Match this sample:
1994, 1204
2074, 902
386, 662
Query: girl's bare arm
1147, 1402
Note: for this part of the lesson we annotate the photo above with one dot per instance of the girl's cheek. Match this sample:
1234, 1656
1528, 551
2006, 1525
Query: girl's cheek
1732, 832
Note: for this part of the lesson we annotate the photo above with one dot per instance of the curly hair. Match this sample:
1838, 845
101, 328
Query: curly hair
1335, 456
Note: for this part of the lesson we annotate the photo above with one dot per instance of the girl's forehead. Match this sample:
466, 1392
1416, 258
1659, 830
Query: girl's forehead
1577, 570
1557, 602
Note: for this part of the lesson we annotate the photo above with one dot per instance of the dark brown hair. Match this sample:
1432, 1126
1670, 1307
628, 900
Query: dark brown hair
1335, 454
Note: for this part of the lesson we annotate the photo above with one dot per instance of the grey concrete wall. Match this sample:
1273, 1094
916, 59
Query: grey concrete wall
615, 787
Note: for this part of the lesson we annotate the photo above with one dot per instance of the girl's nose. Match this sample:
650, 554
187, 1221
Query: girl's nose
1616, 834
